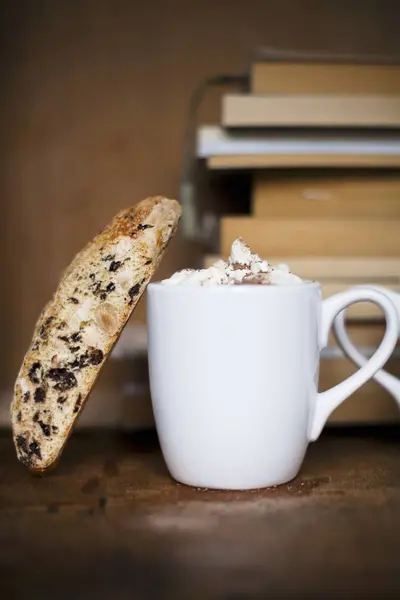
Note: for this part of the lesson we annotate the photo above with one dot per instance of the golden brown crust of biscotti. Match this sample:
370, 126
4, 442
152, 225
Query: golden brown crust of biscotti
78, 328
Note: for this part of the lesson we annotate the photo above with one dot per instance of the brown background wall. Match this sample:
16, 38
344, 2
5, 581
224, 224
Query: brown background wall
94, 97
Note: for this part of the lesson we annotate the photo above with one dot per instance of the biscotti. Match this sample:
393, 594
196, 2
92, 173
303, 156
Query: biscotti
80, 325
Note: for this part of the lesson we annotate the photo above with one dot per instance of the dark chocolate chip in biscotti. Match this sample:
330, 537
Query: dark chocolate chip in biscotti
115, 265
95, 356
40, 394
35, 372
45, 428
22, 443
43, 332
34, 448
135, 289
78, 403
65, 380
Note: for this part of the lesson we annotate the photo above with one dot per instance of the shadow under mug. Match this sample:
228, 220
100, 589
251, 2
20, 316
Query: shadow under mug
389, 382
234, 377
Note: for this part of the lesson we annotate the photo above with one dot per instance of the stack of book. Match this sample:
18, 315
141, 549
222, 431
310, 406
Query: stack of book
323, 144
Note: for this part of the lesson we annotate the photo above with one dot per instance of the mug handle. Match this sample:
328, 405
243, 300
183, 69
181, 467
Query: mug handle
389, 382
326, 402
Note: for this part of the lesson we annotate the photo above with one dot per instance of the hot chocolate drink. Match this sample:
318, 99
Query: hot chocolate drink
242, 267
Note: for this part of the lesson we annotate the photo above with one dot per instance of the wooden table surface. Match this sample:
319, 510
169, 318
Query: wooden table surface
110, 523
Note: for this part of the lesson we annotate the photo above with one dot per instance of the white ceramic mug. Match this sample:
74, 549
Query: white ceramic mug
389, 382
234, 377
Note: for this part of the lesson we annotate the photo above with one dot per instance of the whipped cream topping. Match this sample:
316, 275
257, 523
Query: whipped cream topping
242, 267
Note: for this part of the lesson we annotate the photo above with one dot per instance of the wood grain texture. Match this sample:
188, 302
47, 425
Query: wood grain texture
307, 78
313, 238
114, 518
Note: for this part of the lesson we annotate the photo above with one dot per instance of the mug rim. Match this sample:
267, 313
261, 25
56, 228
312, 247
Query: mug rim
235, 289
